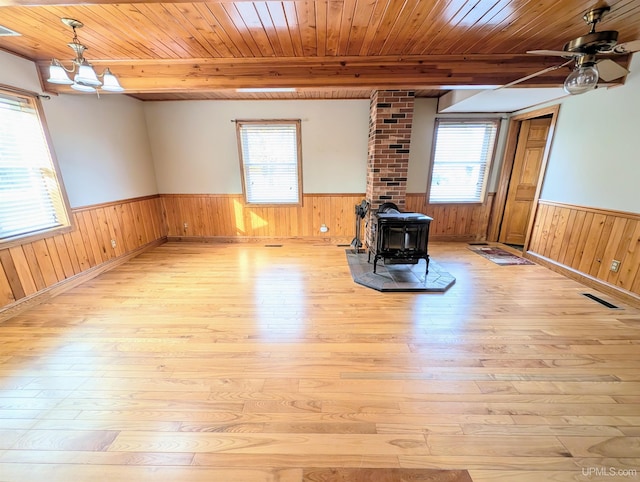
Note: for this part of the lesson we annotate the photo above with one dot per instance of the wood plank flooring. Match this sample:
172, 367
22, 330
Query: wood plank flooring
240, 362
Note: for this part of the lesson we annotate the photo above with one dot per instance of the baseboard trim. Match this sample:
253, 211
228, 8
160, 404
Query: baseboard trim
65, 285
607, 288
456, 238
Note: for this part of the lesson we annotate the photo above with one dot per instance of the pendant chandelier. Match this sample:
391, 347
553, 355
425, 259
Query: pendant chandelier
85, 79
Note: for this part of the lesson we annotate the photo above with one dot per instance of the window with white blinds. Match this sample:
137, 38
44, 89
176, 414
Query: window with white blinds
270, 161
461, 160
31, 200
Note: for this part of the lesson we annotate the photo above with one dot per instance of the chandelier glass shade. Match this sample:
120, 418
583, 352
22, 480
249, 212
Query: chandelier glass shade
85, 79
58, 74
110, 82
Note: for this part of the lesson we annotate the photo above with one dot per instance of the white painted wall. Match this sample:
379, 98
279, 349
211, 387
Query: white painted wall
101, 144
195, 149
102, 147
424, 117
594, 159
18, 72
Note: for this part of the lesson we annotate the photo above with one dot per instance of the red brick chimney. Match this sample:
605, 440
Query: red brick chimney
390, 120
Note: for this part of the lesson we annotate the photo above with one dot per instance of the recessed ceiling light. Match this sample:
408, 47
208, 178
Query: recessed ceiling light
267, 89
7, 32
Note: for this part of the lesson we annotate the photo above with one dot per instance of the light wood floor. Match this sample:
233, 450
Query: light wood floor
247, 363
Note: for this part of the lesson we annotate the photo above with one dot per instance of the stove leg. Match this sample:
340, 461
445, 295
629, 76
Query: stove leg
427, 270
375, 263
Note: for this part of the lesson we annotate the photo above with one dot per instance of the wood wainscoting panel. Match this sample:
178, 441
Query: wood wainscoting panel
587, 240
226, 216
6, 293
456, 222
29, 268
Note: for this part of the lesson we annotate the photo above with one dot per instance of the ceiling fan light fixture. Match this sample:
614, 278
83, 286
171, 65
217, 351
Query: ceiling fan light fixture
585, 50
583, 79
58, 74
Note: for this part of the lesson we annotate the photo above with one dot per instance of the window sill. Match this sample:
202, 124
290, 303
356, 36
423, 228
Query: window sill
466, 203
37, 236
272, 205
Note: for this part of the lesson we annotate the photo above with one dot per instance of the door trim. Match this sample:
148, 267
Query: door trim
500, 200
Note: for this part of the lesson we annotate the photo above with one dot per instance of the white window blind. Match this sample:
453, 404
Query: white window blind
461, 160
30, 196
269, 153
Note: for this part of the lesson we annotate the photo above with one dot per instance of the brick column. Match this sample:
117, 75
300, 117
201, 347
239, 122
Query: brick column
390, 119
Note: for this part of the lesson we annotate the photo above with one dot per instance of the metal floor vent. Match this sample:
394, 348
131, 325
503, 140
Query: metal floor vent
7, 32
343, 245
600, 300
273, 246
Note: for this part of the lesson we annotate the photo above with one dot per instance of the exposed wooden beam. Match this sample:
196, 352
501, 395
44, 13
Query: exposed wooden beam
436, 71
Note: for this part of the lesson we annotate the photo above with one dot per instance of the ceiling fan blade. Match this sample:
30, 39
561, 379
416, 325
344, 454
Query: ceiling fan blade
609, 70
560, 53
627, 47
531, 76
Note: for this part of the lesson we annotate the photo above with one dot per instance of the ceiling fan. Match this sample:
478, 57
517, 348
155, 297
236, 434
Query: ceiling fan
584, 51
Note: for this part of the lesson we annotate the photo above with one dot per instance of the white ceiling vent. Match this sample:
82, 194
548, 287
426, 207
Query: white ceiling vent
7, 32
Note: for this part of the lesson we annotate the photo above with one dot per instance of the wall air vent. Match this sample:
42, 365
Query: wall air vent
7, 32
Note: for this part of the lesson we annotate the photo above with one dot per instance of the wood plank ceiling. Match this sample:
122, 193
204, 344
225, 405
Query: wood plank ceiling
323, 48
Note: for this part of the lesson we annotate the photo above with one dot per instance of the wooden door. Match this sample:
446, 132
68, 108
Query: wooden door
523, 183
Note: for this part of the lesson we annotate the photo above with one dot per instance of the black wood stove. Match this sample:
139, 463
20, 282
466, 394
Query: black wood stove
399, 238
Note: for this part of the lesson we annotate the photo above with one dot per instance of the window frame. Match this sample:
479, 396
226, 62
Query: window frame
297, 123
67, 224
490, 159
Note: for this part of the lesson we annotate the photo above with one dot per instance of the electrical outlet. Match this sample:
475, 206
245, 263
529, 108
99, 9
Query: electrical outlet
615, 265
113, 243
324, 228
185, 226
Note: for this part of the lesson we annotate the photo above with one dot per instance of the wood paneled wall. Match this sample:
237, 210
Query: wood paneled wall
587, 240
32, 267
456, 222
226, 216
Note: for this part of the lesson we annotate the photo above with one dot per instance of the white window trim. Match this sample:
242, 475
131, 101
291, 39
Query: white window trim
489, 163
297, 123
64, 210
